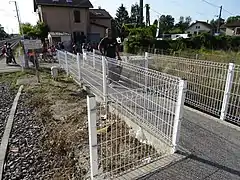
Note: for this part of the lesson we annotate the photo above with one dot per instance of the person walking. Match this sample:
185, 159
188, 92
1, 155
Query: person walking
4, 51
10, 55
108, 47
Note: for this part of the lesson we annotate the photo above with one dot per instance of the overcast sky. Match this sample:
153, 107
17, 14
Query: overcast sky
197, 9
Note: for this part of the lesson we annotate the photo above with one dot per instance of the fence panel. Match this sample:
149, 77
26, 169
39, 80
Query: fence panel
146, 99
206, 80
120, 148
233, 110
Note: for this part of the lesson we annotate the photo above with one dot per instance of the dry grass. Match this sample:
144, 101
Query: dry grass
62, 138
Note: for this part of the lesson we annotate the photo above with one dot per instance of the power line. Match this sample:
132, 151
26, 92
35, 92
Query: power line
214, 5
228, 12
211, 4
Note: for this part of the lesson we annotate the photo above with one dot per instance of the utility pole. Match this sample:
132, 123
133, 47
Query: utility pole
147, 15
141, 13
19, 22
219, 19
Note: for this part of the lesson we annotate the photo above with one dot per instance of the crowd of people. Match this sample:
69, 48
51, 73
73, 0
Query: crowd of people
7, 52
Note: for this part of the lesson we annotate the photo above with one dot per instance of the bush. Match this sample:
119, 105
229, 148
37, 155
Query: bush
144, 37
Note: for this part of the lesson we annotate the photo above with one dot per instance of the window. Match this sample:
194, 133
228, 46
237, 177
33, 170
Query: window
237, 31
195, 32
197, 27
77, 18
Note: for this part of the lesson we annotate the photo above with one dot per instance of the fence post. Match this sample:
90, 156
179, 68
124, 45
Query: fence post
58, 58
178, 114
79, 67
66, 61
104, 71
227, 90
83, 50
146, 69
94, 63
92, 129
155, 51
197, 56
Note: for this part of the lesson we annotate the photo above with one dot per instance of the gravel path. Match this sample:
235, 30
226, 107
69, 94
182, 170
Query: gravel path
6, 99
25, 159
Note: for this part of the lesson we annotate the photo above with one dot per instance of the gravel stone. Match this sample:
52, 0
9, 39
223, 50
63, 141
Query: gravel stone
30, 162
7, 96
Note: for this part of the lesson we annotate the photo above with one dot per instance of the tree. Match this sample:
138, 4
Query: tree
214, 23
233, 19
3, 34
166, 23
135, 14
40, 30
122, 16
155, 22
182, 25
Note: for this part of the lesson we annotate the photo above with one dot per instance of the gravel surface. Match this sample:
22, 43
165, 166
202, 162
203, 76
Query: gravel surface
6, 100
46, 150
25, 159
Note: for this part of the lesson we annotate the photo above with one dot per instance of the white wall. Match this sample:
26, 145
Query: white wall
229, 32
193, 29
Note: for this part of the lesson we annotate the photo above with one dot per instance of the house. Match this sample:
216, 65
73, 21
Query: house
231, 29
74, 17
199, 27
100, 19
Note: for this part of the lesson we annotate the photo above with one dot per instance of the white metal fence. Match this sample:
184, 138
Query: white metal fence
149, 99
212, 87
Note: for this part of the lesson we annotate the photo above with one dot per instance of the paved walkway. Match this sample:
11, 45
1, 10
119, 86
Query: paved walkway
10, 67
214, 148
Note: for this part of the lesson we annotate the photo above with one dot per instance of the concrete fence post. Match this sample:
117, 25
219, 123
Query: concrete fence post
84, 57
104, 71
58, 58
94, 63
178, 114
79, 68
146, 69
92, 129
227, 91
66, 62
197, 56
155, 51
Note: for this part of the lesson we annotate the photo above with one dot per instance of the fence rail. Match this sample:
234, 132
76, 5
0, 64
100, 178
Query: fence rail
134, 97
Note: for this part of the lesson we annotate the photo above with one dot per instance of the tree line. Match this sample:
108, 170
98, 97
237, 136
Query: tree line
3, 34
137, 34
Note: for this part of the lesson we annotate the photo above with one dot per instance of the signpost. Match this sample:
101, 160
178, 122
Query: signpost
33, 45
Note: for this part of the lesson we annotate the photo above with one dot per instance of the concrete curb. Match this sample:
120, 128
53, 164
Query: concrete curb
228, 124
8, 128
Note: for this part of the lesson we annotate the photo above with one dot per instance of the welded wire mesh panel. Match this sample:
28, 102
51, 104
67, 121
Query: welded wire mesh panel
61, 59
72, 65
206, 80
233, 111
134, 77
94, 62
120, 148
154, 111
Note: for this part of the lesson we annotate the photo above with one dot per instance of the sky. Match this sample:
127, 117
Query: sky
197, 9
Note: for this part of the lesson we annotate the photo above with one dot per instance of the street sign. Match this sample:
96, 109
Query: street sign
32, 44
